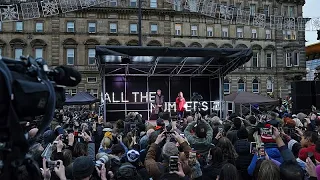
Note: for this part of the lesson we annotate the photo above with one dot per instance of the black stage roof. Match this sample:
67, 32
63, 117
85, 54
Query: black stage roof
169, 61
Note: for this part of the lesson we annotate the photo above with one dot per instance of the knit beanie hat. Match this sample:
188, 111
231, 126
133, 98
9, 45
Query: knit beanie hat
108, 135
48, 137
170, 149
266, 136
133, 155
83, 167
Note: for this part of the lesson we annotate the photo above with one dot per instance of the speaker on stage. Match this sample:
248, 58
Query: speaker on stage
303, 96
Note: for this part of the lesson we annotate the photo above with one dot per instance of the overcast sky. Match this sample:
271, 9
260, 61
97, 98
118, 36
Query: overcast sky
311, 9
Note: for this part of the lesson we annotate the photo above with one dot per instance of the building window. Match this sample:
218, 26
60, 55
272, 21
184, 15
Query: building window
70, 56
153, 3
133, 3
1, 52
113, 27
255, 60
268, 34
19, 26
226, 86
93, 92
241, 85
91, 56
0, 26
239, 32
255, 86
18, 52
225, 32
289, 35
269, 60
39, 53
291, 11
252, 9
113, 3
133, 28
292, 58
177, 5
194, 30
193, 5
210, 31
177, 29
269, 85
39, 26
91, 79
92, 27
266, 10
154, 29
254, 34
70, 26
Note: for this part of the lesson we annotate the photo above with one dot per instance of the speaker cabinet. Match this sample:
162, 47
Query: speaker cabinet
303, 95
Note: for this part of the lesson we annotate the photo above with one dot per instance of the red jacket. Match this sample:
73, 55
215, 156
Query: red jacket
180, 104
303, 153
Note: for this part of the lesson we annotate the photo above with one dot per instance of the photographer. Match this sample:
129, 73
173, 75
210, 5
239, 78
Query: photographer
202, 138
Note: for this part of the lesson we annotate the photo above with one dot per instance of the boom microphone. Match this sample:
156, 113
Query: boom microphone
67, 76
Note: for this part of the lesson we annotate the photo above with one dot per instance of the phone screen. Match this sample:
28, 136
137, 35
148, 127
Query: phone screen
47, 152
253, 147
261, 152
192, 158
173, 163
311, 156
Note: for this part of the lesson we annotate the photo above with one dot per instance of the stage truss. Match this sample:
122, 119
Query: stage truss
170, 62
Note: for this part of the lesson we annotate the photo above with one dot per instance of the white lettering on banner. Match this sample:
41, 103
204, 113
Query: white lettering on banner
135, 96
168, 106
122, 98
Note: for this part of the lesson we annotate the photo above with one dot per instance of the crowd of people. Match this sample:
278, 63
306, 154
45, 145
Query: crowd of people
256, 147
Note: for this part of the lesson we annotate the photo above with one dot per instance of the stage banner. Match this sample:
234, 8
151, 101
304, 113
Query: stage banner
137, 94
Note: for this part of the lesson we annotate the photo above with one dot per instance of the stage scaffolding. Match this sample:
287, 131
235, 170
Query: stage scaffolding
169, 62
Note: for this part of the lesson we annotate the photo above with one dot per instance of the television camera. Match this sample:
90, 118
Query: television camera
197, 98
28, 88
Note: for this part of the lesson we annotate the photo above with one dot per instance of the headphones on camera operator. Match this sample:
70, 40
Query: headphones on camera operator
28, 88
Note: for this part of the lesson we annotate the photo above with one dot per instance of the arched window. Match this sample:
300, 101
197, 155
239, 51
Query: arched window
226, 86
255, 86
154, 43
70, 51
90, 45
269, 85
18, 46
38, 46
241, 85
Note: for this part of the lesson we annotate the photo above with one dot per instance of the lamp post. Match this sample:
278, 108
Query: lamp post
139, 22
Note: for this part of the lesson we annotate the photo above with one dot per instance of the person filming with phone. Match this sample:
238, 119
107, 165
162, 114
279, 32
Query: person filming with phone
172, 164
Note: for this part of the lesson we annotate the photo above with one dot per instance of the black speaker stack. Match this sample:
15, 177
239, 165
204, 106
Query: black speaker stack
305, 94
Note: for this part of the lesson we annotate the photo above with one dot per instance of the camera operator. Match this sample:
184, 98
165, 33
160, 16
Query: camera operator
202, 138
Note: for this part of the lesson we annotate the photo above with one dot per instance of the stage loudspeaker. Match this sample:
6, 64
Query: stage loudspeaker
303, 96
317, 94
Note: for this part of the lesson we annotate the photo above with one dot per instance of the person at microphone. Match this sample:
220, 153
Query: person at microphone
180, 102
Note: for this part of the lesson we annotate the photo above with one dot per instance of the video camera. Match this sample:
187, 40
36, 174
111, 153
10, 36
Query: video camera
28, 88
197, 98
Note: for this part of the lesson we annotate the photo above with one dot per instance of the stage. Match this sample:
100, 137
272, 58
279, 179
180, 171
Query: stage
131, 75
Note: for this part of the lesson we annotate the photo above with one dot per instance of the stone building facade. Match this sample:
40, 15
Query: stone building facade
69, 39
